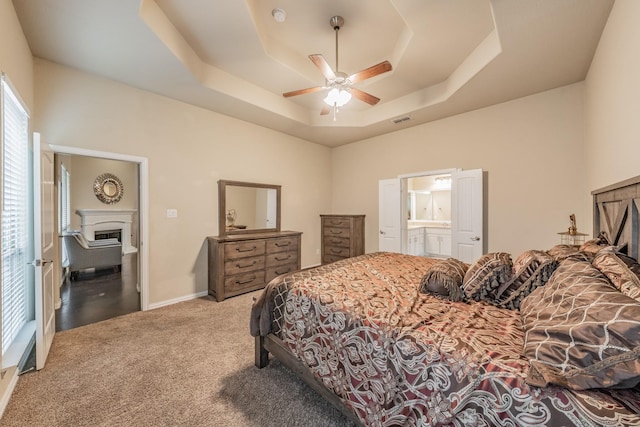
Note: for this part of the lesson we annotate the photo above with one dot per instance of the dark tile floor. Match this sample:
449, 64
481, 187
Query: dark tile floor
99, 295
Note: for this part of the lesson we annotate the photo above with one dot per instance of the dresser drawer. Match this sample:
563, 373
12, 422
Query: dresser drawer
330, 241
282, 258
243, 249
336, 232
243, 265
273, 272
337, 222
241, 282
337, 251
282, 244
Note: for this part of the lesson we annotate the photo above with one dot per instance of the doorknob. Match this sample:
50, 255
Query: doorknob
39, 262
382, 232
475, 238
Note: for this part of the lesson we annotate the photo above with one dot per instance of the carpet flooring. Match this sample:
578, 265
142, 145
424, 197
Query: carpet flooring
189, 364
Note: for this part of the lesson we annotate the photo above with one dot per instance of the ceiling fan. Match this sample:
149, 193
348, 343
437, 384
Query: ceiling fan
340, 84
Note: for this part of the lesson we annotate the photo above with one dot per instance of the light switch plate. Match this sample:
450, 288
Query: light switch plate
172, 213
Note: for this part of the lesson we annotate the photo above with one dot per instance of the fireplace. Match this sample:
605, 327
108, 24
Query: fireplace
106, 221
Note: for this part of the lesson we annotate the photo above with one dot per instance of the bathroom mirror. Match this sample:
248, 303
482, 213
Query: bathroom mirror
247, 207
108, 188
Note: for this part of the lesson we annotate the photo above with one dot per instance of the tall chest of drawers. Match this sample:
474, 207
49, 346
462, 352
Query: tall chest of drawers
342, 237
246, 262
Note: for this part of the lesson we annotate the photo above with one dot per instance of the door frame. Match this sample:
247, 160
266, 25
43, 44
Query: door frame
143, 214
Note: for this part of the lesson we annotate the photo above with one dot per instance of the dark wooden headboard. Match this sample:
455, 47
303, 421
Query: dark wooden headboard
615, 212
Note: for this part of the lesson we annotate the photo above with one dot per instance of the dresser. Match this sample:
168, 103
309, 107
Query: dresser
245, 262
342, 237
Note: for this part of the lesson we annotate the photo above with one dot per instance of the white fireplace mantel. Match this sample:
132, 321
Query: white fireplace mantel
92, 220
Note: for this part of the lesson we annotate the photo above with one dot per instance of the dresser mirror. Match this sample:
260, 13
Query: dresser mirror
247, 207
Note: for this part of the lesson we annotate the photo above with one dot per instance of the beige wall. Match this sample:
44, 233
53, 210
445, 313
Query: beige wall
531, 149
15, 57
189, 150
86, 170
612, 100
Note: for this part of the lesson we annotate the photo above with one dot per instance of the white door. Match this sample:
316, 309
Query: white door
43, 167
389, 211
467, 240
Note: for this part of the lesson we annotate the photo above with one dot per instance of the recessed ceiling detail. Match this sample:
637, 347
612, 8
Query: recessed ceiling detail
232, 57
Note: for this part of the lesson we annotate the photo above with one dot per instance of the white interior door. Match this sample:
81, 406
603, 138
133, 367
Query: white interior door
467, 239
43, 236
389, 215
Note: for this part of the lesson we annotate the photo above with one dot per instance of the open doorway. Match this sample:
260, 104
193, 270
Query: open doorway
98, 205
460, 198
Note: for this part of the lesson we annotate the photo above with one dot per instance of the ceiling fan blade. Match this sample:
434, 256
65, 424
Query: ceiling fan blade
302, 91
380, 68
364, 96
323, 66
325, 110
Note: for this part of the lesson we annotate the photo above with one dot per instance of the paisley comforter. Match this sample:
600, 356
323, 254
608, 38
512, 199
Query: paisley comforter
396, 356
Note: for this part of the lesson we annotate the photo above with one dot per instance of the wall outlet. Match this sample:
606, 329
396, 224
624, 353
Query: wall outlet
172, 213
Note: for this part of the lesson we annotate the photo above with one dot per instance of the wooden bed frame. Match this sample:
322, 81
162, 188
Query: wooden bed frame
615, 212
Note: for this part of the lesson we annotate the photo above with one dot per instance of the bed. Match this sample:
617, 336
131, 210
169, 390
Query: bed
551, 342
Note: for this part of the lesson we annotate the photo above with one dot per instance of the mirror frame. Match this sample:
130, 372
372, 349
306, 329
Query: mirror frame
222, 208
99, 184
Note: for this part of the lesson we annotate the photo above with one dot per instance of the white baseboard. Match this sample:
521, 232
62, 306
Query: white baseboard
177, 300
7, 384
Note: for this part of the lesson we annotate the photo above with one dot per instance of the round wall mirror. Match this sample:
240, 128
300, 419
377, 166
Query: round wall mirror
108, 188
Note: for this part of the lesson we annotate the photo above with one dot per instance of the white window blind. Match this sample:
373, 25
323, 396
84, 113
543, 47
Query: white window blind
65, 200
15, 194
64, 209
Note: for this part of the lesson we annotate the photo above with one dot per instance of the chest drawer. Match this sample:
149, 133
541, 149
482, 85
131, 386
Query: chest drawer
243, 265
336, 241
337, 222
336, 232
337, 251
244, 249
282, 244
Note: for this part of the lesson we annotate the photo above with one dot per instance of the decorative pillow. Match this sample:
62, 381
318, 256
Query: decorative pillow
444, 279
523, 268
486, 275
622, 270
538, 278
594, 245
580, 332
562, 251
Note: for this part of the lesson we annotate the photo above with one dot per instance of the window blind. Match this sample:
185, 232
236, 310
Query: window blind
15, 193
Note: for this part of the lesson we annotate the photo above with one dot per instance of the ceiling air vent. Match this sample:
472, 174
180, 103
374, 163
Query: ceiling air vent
401, 119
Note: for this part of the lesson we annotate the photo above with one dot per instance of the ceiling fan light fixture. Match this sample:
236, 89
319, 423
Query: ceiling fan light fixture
337, 97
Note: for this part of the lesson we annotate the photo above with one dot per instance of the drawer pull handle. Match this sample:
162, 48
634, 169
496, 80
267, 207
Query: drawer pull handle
246, 265
246, 250
244, 282
281, 245
283, 259
336, 223
336, 251
335, 241
336, 232
278, 272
